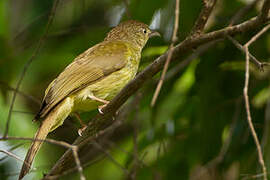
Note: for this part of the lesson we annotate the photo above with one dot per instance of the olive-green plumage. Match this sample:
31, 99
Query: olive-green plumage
95, 76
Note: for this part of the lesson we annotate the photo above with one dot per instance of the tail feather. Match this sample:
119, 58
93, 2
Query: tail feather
41, 134
53, 120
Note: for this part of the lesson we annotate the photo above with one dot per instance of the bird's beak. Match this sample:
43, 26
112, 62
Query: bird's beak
154, 33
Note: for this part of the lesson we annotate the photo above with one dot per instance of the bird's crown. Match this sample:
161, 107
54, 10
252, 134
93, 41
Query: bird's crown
132, 31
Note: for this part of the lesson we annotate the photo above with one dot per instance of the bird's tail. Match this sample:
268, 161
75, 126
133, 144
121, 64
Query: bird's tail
41, 134
53, 120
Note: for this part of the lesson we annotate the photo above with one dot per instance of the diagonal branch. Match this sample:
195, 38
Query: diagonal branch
169, 57
12, 155
11, 149
259, 64
200, 23
265, 10
254, 38
29, 97
103, 121
243, 11
73, 148
83, 144
199, 51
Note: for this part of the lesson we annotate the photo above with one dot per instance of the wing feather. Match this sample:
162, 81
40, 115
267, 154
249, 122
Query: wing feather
95, 63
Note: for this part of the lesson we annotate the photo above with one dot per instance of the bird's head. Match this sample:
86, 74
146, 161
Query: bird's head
133, 32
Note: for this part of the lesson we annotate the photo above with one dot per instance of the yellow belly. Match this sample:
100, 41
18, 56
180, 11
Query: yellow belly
106, 88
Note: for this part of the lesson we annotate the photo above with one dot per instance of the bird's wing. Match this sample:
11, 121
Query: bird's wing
94, 64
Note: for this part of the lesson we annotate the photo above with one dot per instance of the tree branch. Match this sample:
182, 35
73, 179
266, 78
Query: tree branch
252, 129
100, 122
247, 105
73, 149
29, 97
265, 10
200, 23
243, 11
12, 155
168, 60
259, 64
254, 38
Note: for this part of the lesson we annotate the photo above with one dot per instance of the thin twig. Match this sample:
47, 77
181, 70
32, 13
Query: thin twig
11, 149
73, 148
243, 11
78, 163
17, 173
199, 51
174, 39
12, 155
201, 21
254, 38
72, 169
265, 10
247, 105
29, 97
26, 66
253, 132
86, 141
51, 141
259, 64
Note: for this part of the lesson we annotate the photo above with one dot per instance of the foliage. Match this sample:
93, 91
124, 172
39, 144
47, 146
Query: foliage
200, 108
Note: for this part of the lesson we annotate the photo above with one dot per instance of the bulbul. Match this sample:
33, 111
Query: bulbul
91, 80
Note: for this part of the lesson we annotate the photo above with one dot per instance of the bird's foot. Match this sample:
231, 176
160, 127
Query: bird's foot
105, 102
83, 126
101, 107
82, 129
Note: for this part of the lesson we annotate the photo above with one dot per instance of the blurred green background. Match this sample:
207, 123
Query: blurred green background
198, 128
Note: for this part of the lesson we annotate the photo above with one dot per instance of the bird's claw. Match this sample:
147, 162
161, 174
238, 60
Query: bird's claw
81, 130
101, 107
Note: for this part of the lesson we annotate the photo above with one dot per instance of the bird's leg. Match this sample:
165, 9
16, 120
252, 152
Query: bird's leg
105, 102
83, 125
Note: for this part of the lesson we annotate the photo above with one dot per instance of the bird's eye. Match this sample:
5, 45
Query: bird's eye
144, 31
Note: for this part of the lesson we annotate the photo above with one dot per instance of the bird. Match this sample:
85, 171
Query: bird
91, 80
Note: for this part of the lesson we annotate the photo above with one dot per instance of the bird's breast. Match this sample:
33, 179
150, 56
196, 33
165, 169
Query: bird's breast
106, 88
